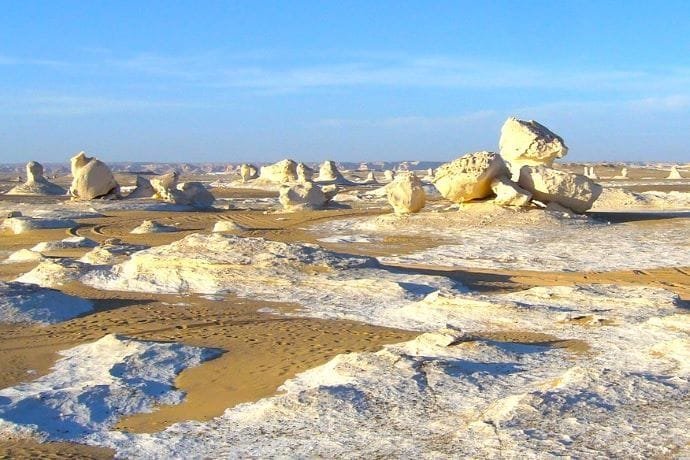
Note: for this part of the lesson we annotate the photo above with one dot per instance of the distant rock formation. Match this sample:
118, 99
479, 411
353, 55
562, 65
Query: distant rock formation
328, 173
529, 143
91, 178
35, 183
248, 172
573, 191
143, 189
389, 175
406, 194
470, 176
194, 194
305, 195
674, 173
279, 173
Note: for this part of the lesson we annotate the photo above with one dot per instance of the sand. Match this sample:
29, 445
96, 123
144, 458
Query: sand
262, 349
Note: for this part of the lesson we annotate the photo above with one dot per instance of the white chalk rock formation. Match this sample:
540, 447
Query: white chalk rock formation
674, 174
248, 172
304, 173
186, 193
406, 194
624, 172
151, 226
28, 303
306, 195
573, 191
195, 194
23, 256
529, 143
165, 187
143, 189
508, 193
23, 224
370, 179
229, 226
328, 173
35, 183
279, 173
470, 176
91, 178
389, 175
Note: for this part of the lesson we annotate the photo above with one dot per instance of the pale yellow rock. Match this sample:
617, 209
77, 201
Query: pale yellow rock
248, 172
573, 191
305, 195
406, 194
91, 178
674, 174
508, 193
35, 183
165, 187
389, 175
470, 176
279, 173
143, 189
529, 143
304, 173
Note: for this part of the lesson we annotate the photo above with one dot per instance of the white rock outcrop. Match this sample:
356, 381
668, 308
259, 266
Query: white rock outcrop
248, 172
329, 173
674, 173
143, 189
223, 226
165, 187
389, 175
508, 193
470, 176
91, 178
305, 195
573, 191
35, 183
304, 173
279, 173
529, 143
406, 194
169, 190
151, 226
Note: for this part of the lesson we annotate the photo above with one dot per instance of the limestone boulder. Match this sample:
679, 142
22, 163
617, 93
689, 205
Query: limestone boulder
406, 194
470, 176
674, 174
279, 173
529, 143
35, 183
195, 194
508, 193
329, 173
248, 172
573, 191
305, 195
143, 189
389, 175
165, 187
91, 178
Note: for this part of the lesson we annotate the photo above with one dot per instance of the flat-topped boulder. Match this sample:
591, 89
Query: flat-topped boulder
91, 179
35, 183
470, 176
573, 191
527, 142
406, 194
279, 173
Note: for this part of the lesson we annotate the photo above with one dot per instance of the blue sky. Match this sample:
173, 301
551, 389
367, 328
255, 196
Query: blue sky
260, 81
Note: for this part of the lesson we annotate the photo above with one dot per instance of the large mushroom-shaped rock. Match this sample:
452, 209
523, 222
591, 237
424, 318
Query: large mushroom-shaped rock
248, 172
508, 193
529, 143
143, 189
406, 194
280, 172
470, 176
304, 173
35, 183
305, 195
573, 191
91, 178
